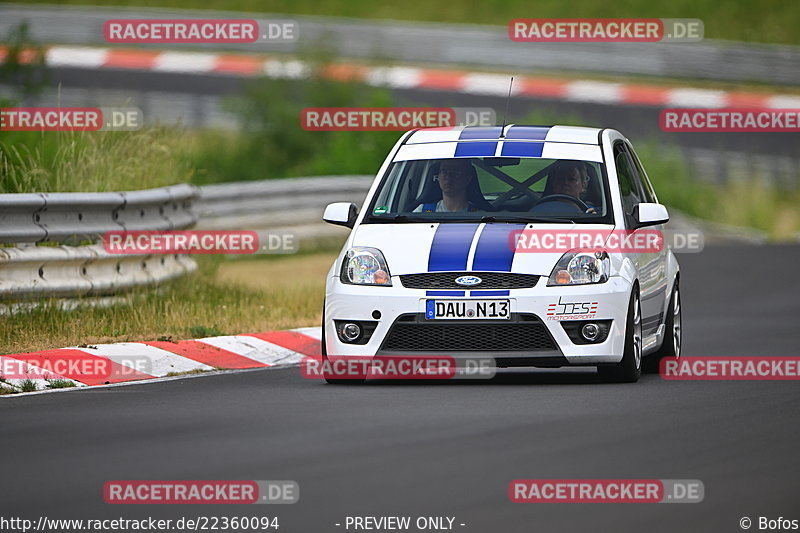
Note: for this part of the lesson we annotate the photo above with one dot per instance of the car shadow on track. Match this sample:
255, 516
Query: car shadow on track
577, 376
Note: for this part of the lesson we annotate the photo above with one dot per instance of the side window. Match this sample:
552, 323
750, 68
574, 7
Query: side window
627, 179
646, 188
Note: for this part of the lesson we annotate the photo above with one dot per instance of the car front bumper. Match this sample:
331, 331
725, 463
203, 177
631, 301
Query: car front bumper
550, 306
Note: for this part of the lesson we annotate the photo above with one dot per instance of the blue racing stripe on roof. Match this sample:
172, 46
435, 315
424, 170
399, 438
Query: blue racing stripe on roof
522, 149
495, 250
476, 149
529, 133
493, 132
450, 247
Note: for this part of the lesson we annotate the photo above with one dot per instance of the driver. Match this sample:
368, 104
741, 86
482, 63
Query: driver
454, 178
568, 178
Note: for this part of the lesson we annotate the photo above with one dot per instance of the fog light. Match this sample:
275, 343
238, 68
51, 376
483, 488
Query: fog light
590, 331
350, 332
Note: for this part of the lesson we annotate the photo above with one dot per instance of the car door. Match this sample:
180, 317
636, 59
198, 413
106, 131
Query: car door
658, 262
651, 266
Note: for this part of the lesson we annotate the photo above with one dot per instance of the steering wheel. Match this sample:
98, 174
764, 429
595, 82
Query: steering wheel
556, 197
525, 192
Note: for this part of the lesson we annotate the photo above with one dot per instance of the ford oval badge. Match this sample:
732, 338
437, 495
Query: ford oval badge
468, 281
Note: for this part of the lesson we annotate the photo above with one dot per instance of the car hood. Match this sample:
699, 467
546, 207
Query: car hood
472, 247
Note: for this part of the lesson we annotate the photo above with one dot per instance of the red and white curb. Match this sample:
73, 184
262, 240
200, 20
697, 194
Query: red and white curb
404, 77
136, 361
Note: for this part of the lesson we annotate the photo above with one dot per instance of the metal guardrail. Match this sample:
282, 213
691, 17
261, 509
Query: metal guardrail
464, 44
50, 232
77, 216
270, 203
42, 263
61, 271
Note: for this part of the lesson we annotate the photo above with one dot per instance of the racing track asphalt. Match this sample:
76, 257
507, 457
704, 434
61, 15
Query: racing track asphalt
447, 449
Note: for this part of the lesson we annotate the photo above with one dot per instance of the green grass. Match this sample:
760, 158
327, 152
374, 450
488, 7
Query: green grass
233, 296
271, 142
27, 385
204, 331
91, 161
7, 390
772, 21
754, 203
187, 373
60, 384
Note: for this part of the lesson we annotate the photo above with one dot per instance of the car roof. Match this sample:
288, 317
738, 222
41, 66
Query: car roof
513, 132
547, 142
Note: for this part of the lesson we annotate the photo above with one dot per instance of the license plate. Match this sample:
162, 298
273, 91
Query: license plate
467, 309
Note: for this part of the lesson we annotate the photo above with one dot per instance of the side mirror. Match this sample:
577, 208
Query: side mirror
341, 214
646, 214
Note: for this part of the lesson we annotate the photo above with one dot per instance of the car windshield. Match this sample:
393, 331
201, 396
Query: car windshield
492, 189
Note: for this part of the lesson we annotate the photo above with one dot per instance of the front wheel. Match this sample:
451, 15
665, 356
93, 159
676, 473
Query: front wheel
630, 368
673, 334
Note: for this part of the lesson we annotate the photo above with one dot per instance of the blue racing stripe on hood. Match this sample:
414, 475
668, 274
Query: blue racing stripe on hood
450, 247
444, 293
494, 252
489, 293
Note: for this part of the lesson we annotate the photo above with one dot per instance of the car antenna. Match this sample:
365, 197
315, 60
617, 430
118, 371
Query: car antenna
505, 115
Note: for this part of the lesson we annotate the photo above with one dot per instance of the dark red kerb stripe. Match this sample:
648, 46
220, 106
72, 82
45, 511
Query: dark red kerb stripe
81, 366
292, 340
207, 354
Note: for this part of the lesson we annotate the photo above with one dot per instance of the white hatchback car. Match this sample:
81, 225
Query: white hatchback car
465, 248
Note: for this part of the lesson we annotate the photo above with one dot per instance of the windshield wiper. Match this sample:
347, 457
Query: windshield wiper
400, 218
491, 218
488, 218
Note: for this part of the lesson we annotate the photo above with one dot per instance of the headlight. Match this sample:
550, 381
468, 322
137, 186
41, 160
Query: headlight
580, 268
365, 266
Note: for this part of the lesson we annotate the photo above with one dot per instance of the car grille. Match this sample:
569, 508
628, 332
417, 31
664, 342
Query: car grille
523, 333
489, 280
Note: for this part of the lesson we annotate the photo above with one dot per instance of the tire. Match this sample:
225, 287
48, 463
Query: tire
673, 334
630, 368
324, 352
